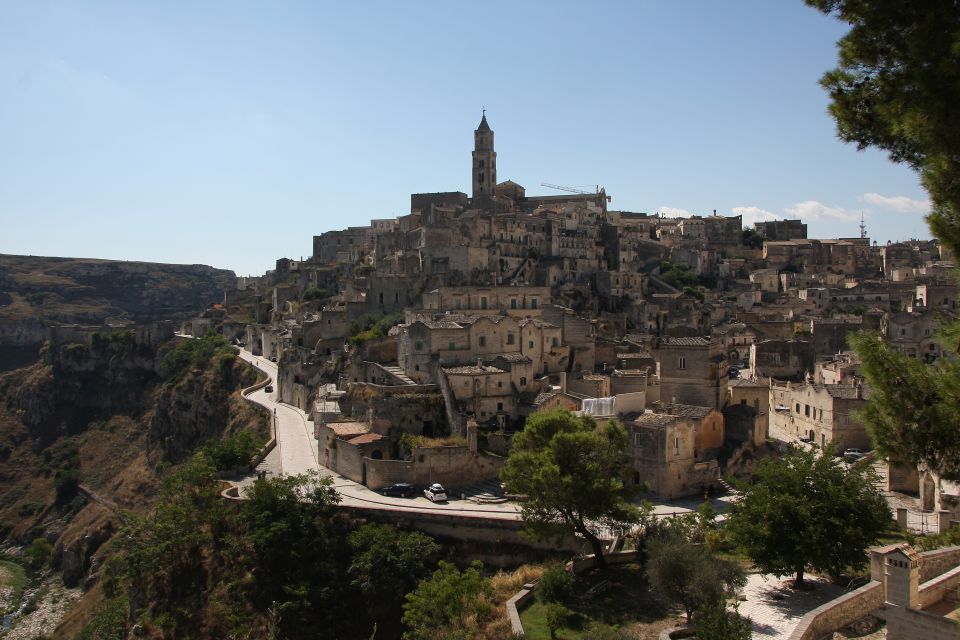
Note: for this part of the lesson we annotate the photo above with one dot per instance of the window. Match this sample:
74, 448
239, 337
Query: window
513, 303
483, 303
452, 346
806, 410
499, 406
523, 381
798, 408
499, 384
682, 364
483, 341
555, 342
531, 344
533, 303
510, 338
676, 445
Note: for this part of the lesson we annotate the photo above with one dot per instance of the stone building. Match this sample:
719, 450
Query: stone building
669, 453
825, 413
692, 371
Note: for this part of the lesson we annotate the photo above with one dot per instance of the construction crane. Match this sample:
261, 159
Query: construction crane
570, 189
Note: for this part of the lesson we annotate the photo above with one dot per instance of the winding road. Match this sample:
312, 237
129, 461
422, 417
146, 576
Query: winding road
297, 453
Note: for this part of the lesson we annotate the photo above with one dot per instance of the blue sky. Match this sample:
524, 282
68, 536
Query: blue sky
230, 133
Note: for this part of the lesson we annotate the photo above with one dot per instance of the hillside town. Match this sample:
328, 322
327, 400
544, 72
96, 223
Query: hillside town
418, 344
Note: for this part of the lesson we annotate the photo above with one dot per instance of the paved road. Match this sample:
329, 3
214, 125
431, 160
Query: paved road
298, 454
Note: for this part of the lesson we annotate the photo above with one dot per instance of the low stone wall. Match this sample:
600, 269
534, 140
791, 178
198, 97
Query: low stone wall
839, 612
933, 591
937, 562
468, 525
272, 442
909, 623
581, 565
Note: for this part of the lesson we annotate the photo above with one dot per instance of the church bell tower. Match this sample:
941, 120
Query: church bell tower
484, 161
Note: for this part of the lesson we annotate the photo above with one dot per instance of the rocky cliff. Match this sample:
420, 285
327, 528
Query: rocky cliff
38, 291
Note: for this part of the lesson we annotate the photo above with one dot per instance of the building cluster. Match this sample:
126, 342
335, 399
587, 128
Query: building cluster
419, 343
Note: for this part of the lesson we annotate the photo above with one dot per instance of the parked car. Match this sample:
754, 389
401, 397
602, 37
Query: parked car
400, 489
852, 455
733, 372
436, 493
268, 388
807, 439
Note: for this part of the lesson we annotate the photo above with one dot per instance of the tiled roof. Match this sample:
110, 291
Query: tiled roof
684, 410
543, 397
633, 356
365, 438
537, 323
744, 382
348, 429
514, 356
654, 419
694, 341
472, 369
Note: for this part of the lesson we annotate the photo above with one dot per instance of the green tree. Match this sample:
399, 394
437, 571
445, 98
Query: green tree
556, 615
388, 563
808, 510
714, 622
913, 410
555, 585
688, 575
444, 601
896, 87
572, 471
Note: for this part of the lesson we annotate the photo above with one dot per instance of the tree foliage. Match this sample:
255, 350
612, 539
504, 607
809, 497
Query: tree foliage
913, 411
808, 510
443, 605
572, 469
896, 87
387, 563
688, 575
715, 622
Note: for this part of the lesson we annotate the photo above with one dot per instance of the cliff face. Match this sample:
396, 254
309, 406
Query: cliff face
37, 291
108, 416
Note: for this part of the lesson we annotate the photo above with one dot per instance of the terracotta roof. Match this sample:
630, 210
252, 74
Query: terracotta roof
472, 369
365, 438
543, 397
348, 429
654, 419
684, 410
695, 341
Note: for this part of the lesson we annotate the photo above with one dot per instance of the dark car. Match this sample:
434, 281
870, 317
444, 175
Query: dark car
401, 489
733, 372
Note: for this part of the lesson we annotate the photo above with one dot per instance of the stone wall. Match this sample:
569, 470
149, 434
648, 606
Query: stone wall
919, 625
839, 612
452, 467
938, 562
933, 591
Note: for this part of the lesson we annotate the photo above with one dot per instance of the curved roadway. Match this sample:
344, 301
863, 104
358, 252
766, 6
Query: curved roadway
298, 454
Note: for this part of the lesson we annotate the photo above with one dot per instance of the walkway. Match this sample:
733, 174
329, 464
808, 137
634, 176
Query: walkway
776, 609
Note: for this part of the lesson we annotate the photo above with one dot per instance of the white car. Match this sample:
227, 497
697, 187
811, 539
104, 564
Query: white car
852, 455
436, 493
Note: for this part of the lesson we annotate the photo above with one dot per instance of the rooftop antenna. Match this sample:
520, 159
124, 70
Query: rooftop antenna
863, 227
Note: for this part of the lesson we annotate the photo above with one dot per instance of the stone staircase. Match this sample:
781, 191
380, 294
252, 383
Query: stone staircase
398, 374
725, 486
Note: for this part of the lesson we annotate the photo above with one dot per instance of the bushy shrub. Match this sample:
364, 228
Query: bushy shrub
556, 584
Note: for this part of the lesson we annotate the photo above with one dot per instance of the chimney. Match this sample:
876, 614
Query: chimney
563, 381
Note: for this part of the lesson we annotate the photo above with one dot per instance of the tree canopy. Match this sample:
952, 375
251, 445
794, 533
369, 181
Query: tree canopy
687, 574
896, 87
808, 509
572, 469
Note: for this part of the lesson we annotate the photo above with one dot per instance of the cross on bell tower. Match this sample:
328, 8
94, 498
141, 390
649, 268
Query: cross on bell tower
484, 161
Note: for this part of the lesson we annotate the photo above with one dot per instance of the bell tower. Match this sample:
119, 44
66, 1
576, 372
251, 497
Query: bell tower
484, 161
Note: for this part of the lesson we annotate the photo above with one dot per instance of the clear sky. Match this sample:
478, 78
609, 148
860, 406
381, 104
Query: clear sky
230, 133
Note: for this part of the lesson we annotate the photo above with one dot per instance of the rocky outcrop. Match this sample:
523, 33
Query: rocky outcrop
36, 292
